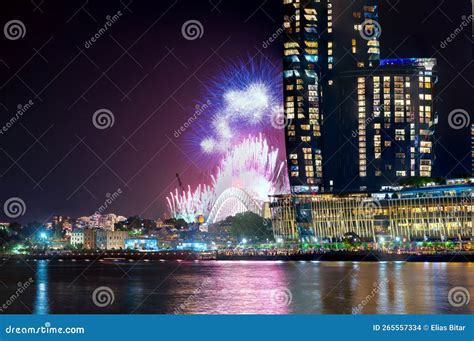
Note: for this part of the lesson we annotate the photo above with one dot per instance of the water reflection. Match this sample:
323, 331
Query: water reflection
219, 287
41, 302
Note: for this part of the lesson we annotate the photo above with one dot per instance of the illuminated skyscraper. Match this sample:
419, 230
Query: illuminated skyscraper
323, 38
388, 122
355, 122
304, 27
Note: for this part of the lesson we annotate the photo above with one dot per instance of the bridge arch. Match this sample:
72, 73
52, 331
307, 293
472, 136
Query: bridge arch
232, 201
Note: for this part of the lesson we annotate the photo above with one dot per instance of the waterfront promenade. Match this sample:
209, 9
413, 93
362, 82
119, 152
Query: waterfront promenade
253, 255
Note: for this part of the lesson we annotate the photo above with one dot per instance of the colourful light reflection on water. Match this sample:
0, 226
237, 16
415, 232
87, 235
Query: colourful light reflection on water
215, 287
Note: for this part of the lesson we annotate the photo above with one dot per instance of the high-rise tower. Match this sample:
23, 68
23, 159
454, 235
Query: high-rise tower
336, 86
322, 38
387, 122
304, 27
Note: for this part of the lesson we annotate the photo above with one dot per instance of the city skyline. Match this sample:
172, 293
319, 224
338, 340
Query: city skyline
259, 158
60, 169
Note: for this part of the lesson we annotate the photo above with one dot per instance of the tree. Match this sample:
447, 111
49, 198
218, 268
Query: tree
250, 226
418, 181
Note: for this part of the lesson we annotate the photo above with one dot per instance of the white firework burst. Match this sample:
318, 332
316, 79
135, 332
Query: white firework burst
252, 166
188, 205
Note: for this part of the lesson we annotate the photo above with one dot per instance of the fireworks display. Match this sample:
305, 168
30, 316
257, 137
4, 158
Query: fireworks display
238, 131
246, 99
252, 166
188, 205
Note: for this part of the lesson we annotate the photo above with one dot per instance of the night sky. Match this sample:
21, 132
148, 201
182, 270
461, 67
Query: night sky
150, 77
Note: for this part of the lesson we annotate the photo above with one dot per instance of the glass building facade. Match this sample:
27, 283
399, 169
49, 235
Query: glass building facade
436, 213
358, 123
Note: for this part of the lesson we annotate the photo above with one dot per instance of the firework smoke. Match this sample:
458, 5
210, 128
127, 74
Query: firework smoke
252, 166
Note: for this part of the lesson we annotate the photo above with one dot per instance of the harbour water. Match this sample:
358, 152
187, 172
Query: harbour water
233, 287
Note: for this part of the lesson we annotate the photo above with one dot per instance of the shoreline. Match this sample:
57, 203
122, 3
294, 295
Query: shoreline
327, 256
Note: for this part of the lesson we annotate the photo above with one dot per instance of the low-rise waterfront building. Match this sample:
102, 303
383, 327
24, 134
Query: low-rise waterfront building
77, 238
110, 240
192, 246
428, 213
99, 239
89, 239
142, 244
85, 238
